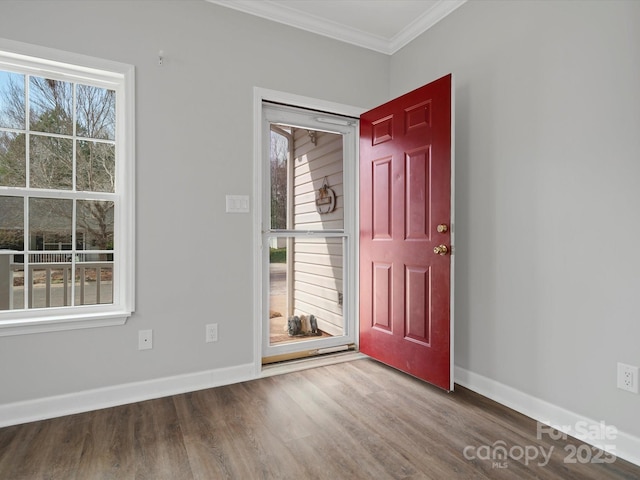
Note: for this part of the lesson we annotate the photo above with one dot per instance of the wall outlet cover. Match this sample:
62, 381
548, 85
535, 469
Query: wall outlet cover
211, 333
145, 339
628, 377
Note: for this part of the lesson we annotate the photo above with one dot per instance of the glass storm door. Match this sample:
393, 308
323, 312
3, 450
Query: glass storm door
308, 224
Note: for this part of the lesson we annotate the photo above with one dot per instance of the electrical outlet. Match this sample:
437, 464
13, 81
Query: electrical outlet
211, 334
628, 377
145, 339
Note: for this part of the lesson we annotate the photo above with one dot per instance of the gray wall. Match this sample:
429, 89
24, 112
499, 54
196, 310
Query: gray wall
547, 192
194, 145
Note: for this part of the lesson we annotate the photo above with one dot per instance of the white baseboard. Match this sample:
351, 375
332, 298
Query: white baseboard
626, 446
79, 402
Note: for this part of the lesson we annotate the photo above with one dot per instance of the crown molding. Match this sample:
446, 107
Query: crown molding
423, 23
338, 31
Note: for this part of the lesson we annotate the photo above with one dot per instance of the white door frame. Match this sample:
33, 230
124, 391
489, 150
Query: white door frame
351, 303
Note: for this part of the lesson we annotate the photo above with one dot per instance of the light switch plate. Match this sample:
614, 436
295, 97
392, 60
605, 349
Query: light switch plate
237, 203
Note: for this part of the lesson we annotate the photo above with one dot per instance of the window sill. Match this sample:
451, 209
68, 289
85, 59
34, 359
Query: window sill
57, 323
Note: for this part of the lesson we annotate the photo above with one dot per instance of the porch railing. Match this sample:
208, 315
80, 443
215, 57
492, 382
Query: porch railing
50, 282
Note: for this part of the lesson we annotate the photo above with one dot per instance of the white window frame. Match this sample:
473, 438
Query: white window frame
66, 66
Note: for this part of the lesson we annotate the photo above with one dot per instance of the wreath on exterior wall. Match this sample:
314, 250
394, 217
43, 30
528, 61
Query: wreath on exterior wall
325, 198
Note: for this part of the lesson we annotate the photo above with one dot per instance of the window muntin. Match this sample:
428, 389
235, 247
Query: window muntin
66, 191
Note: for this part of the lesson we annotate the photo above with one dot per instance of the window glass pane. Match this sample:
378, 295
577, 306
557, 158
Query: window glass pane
50, 275
94, 284
12, 159
96, 112
317, 185
96, 166
279, 164
50, 224
50, 106
306, 192
50, 162
305, 280
11, 223
12, 288
94, 225
279, 298
11, 264
11, 100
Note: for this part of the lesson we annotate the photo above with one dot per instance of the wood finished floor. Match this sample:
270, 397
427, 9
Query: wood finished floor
354, 420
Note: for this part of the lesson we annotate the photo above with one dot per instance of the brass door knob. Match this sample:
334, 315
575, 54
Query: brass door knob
442, 228
441, 250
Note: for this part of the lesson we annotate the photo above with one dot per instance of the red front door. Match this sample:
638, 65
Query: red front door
405, 233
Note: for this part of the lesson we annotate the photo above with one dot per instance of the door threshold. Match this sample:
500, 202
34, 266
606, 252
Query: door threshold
296, 365
302, 354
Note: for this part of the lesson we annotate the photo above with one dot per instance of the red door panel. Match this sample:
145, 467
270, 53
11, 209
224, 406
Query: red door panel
405, 193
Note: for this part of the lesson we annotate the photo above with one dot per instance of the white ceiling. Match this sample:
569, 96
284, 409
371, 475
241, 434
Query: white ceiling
381, 25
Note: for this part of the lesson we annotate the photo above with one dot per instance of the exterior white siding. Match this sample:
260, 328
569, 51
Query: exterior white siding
317, 267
